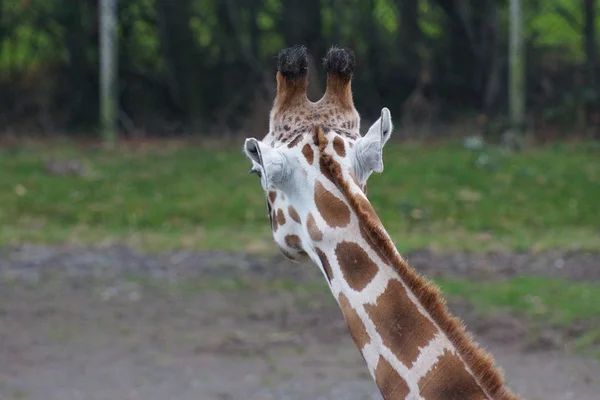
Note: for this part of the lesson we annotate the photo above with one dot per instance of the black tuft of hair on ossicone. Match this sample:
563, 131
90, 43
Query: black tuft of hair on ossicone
340, 61
292, 62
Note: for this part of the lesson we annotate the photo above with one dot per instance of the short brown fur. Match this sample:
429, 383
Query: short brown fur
480, 362
334, 211
358, 331
389, 381
358, 269
290, 93
294, 214
339, 91
402, 329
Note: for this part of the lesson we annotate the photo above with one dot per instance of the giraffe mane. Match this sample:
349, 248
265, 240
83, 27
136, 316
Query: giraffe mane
479, 361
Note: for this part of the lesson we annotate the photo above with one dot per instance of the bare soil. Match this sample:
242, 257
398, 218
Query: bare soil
111, 323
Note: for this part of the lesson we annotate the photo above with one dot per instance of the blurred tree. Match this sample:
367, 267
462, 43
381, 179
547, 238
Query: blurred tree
205, 64
185, 69
590, 44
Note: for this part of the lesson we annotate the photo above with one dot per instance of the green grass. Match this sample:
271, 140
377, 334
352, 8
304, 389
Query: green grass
554, 301
544, 301
164, 196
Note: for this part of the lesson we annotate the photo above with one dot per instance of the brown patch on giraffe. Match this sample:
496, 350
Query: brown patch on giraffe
333, 210
368, 209
272, 197
293, 214
356, 265
325, 172
280, 218
478, 360
338, 146
325, 263
321, 142
294, 242
294, 142
391, 385
355, 324
403, 329
313, 230
449, 380
308, 153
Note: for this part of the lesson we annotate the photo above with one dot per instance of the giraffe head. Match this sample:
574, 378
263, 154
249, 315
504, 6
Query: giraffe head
297, 186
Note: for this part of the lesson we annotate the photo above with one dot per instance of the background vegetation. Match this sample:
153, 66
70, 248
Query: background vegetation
177, 194
207, 66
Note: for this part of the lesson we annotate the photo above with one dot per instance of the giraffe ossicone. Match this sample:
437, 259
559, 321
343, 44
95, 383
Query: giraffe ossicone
313, 166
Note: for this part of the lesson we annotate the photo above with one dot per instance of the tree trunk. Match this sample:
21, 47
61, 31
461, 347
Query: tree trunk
180, 52
493, 84
517, 67
81, 72
109, 108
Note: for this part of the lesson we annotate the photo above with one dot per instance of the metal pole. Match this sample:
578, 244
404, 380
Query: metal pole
516, 69
108, 72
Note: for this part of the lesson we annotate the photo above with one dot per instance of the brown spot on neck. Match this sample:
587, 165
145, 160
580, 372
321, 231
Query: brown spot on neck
356, 265
400, 324
272, 197
308, 153
293, 242
391, 385
448, 379
338, 146
333, 210
280, 217
293, 214
355, 325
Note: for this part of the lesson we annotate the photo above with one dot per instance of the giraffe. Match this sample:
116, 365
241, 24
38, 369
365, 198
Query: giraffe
313, 166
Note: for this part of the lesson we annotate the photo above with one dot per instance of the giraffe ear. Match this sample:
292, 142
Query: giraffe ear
369, 148
270, 164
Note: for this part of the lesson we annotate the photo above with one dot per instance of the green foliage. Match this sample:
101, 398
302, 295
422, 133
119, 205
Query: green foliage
54, 41
184, 196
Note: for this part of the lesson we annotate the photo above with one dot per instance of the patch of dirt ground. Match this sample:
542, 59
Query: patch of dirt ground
111, 323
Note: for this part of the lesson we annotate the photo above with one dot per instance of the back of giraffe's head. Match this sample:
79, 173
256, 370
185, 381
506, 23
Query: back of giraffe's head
303, 202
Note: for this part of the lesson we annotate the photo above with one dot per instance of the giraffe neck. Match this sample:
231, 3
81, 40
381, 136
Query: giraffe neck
413, 347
